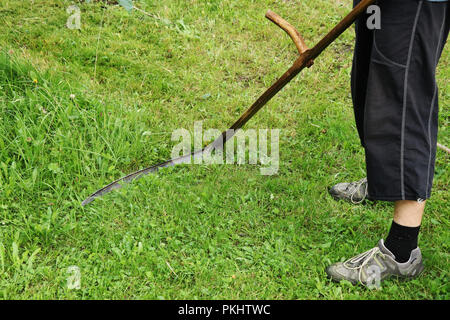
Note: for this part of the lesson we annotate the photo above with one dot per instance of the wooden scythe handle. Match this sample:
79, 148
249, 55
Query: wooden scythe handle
305, 58
291, 31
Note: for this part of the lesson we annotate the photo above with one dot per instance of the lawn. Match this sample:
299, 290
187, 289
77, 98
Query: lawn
81, 108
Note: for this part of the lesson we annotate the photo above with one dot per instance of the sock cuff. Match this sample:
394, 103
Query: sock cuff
404, 232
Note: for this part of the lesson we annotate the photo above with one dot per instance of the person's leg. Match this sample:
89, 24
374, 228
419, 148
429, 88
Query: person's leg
400, 130
409, 213
403, 235
360, 70
356, 192
401, 111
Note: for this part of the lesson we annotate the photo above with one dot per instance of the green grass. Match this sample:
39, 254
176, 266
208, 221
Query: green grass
190, 232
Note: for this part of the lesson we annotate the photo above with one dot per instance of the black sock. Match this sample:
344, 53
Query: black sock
401, 241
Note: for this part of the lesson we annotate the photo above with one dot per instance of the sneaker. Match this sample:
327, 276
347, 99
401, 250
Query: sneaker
355, 192
375, 265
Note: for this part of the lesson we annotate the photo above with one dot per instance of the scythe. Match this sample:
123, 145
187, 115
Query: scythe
305, 59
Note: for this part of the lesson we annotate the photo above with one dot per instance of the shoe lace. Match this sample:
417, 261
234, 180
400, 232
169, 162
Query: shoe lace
361, 260
356, 186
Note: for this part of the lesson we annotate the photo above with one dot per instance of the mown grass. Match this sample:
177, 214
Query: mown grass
191, 232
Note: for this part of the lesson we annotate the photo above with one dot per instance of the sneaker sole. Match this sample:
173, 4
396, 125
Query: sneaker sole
395, 277
338, 198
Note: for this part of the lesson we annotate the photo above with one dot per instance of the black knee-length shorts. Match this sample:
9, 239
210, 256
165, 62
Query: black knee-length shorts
395, 96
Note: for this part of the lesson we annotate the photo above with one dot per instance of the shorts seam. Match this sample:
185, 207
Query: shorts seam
391, 62
405, 96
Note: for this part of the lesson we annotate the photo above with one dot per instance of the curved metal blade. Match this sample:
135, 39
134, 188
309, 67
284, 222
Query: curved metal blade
140, 173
